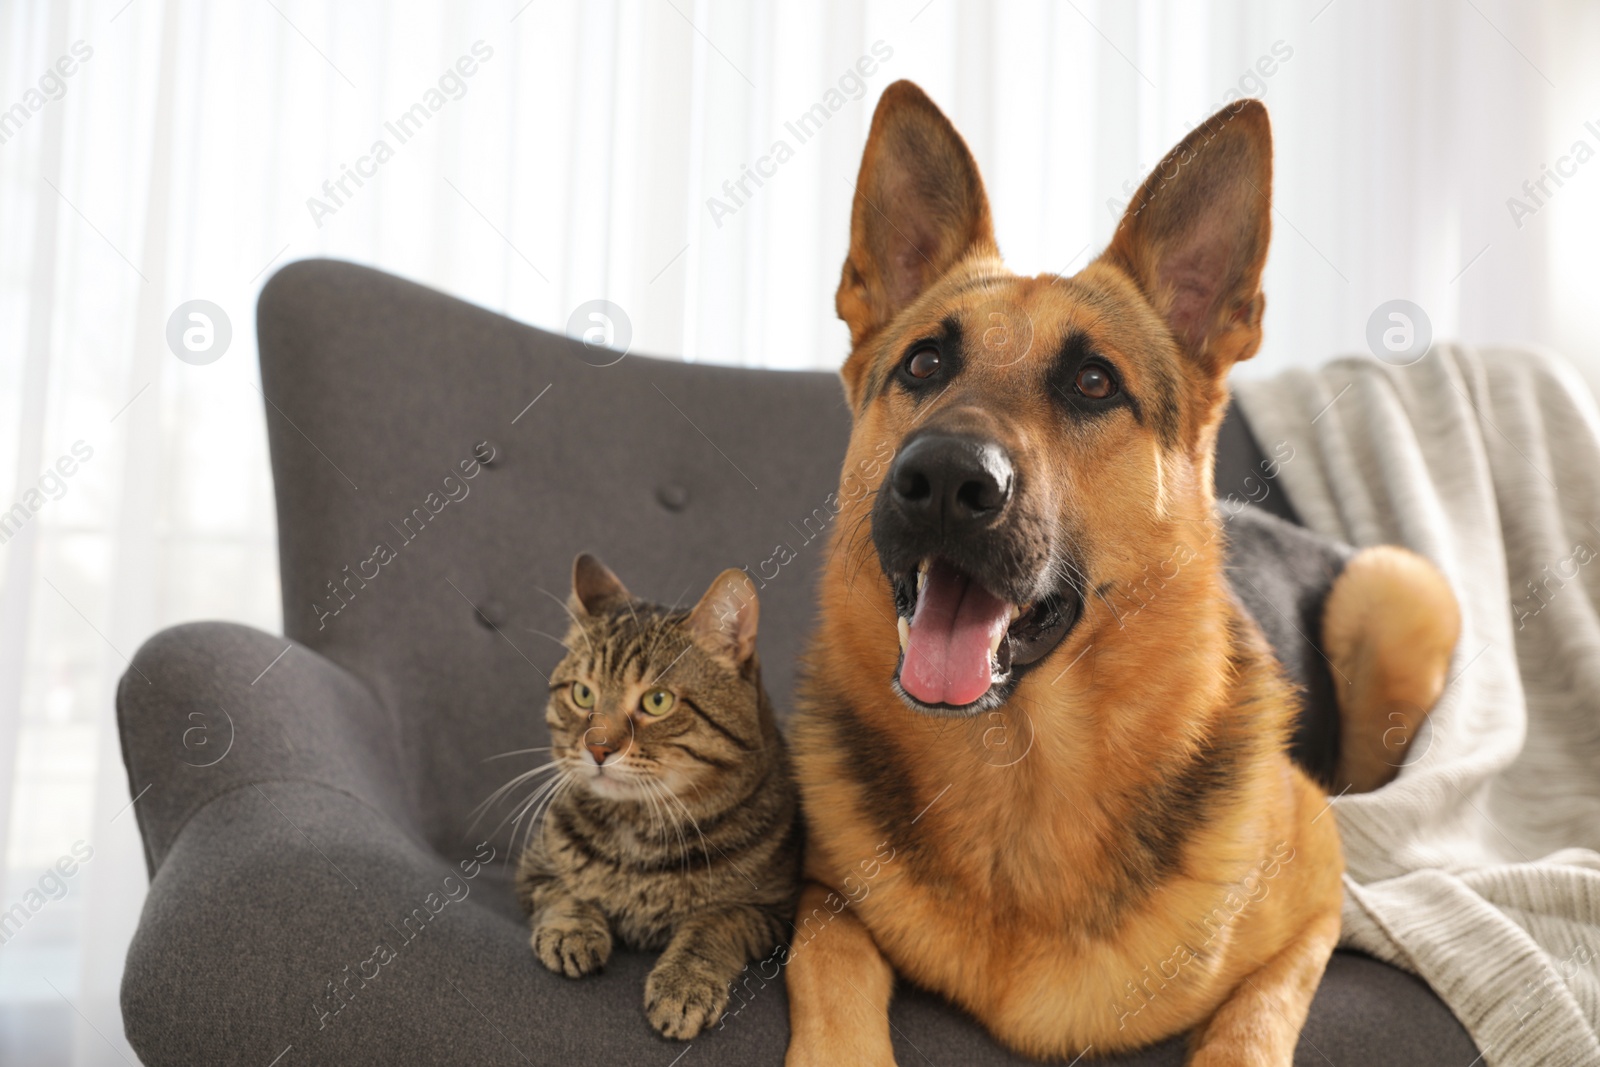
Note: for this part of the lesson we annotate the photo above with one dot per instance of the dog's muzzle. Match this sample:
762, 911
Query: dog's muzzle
976, 596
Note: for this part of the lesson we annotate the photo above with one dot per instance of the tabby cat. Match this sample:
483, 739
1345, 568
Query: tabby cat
677, 826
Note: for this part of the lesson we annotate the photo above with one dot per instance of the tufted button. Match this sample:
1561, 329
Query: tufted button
486, 453
491, 614
673, 496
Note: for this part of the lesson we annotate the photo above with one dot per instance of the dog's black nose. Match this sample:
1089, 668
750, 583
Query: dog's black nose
955, 481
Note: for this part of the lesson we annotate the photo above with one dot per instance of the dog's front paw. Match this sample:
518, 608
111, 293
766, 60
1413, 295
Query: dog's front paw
683, 996
572, 945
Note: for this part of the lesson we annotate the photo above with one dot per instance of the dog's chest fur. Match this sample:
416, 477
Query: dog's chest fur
1117, 964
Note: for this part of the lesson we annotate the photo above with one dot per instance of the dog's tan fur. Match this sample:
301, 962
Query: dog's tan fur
1389, 625
1152, 862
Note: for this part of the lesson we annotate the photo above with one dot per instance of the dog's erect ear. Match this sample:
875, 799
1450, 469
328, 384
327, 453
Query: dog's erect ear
919, 207
594, 586
724, 622
1195, 236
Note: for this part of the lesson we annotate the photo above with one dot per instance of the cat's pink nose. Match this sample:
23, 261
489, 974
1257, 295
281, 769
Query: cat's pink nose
599, 752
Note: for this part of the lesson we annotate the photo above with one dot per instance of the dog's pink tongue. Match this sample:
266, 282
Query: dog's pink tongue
947, 650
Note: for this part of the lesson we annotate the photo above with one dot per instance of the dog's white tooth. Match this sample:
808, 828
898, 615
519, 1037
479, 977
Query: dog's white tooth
922, 575
994, 644
1016, 613
905, 632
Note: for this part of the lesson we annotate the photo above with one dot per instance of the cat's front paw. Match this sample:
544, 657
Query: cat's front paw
573, 946
683, 996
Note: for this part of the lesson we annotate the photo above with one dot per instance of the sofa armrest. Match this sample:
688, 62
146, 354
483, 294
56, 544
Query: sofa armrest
210, 707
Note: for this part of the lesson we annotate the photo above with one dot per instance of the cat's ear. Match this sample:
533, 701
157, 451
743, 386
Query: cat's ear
724, 622
594, 586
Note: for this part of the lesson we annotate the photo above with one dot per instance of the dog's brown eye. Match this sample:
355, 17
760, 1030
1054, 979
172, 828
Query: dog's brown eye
924, 362
1095, 382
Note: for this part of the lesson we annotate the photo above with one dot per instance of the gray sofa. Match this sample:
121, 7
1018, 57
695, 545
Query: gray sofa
316, 895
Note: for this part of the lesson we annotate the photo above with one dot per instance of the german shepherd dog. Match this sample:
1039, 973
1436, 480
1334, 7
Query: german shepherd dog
1053, 438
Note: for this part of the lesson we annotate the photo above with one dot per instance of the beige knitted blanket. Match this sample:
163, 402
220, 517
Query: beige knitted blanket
1479, 867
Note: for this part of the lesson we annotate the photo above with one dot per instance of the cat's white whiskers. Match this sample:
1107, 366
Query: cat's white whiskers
516, 752
692, 822
668, 827
481, 810
567, 786
521, 807
683, 844
696, 825
658, 813
677, 827
650, 830
659, 807
517, 780
561, 785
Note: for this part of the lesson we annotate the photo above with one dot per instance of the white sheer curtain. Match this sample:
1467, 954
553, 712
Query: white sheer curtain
158, 151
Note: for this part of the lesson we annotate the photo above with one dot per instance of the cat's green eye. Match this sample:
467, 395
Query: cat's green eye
582, 695
657, 702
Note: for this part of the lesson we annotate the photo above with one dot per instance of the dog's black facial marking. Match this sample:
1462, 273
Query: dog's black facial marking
887, 370
877, 377
1160, 386
1162, 402
1011, 558
1076, 354
946, 346
1012, 561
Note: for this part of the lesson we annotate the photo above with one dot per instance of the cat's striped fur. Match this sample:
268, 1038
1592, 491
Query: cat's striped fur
677, 831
